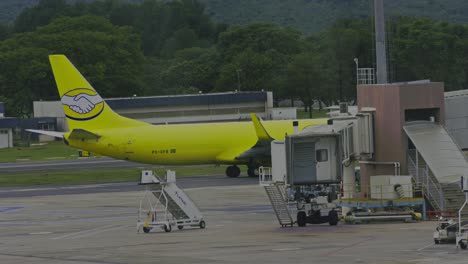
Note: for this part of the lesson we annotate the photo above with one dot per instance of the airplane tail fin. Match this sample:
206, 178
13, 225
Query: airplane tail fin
84, 108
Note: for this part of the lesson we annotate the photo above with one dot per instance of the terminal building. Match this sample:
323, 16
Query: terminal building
456, 116
13, 127
214, 107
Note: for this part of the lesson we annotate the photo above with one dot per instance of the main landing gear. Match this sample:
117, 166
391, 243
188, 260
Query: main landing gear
232, 171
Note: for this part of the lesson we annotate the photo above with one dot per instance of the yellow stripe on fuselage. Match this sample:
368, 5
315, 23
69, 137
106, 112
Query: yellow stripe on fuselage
207, 143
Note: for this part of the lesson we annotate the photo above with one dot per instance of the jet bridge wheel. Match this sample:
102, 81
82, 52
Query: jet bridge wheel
252, 171
232, 171
167, 228
333, 218
301, 218
463, 244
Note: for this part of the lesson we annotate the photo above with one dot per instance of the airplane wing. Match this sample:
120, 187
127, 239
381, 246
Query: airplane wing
48, 133
83, 134
262, 148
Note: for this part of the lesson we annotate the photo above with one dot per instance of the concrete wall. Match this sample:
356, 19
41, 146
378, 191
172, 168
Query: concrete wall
390, 102
6, 138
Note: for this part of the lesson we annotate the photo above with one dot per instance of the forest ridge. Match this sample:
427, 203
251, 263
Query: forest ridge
305, 15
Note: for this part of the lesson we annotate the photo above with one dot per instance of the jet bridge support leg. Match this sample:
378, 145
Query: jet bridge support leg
349, 183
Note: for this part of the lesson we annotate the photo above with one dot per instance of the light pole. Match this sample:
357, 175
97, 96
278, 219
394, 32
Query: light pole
238, 79
356, 61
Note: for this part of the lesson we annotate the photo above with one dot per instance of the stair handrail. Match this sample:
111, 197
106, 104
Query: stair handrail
432, 188
265, 176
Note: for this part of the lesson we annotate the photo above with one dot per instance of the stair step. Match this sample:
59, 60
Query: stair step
279, 204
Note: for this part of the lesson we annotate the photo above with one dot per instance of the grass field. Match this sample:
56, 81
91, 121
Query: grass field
48, 151
58, 150
101, 176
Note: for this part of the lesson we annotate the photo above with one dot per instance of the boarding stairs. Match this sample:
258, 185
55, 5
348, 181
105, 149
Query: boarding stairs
277, 194
170, 206
436, 165
174, 208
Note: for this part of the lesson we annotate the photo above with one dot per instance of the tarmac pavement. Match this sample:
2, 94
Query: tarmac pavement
241, 228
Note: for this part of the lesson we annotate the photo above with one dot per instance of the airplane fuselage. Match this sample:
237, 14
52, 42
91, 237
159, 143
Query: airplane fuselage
185, 144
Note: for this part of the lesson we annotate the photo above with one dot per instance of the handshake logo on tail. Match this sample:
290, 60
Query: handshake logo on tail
82, 104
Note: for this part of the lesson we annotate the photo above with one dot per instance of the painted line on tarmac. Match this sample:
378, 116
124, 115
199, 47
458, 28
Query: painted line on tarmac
426, 246
348, 247
286, 249
40, 233
8, 209
81, 232
98, 231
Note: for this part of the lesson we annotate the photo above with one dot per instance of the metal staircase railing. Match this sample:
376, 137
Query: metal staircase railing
279, 204
423, 176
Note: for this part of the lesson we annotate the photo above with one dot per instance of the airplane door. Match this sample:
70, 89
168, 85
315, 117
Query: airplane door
129, 149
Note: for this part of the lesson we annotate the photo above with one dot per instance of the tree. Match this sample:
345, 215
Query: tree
194, 68
308, 78
109, 57
344, 41
255, 56
40, 15
5, 31
427, 49
259, 38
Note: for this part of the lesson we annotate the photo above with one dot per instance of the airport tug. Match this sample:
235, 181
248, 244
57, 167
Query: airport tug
317, 207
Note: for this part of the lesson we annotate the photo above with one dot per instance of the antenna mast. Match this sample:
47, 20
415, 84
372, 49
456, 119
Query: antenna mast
380, 48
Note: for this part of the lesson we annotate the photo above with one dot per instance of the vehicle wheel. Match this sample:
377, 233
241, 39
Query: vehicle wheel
436, 241
180, 227
252, 172
232, 171
146, 229
333, 218
167, 228
301, 219
202, 224
463, 245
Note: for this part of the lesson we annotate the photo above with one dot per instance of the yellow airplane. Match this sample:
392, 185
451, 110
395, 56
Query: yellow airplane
96, 128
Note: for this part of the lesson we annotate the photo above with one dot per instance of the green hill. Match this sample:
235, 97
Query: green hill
306, 15
314, 15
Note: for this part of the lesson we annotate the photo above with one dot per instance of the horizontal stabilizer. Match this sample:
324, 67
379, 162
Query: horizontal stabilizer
47, 133
82, 134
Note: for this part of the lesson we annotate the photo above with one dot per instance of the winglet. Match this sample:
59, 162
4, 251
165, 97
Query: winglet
262, 134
